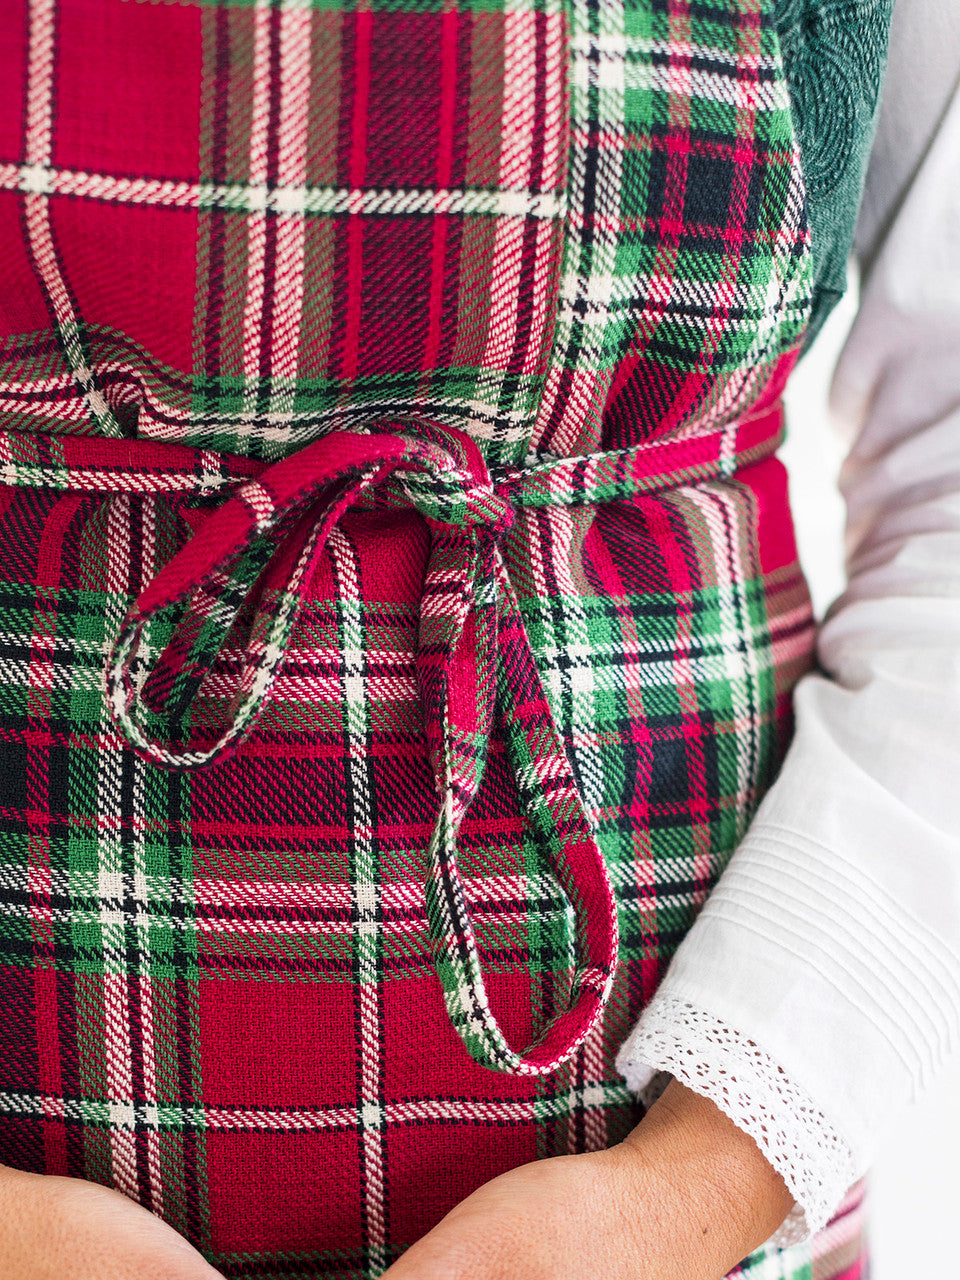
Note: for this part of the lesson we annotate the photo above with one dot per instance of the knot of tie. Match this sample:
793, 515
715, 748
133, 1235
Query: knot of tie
446, 493
258, 552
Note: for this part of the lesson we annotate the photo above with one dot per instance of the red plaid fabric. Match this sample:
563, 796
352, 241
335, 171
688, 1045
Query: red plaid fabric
398, 600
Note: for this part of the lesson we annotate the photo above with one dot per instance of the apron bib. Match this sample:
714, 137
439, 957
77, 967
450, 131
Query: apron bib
400, 600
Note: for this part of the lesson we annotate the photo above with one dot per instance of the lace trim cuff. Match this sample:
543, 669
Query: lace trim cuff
675, 1038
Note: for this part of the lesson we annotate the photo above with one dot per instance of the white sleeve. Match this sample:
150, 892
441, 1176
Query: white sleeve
819, 989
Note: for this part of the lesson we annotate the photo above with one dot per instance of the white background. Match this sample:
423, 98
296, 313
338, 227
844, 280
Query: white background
915, 1186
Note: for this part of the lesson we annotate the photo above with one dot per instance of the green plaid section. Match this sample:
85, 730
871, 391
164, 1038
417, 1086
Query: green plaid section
687, 275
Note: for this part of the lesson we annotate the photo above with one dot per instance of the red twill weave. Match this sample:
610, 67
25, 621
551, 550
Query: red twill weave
399, 607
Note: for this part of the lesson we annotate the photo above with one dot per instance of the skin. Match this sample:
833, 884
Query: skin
55, 1228
627, 1213
684, 1197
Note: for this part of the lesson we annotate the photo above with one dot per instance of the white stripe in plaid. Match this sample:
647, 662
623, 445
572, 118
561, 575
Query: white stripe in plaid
367, 908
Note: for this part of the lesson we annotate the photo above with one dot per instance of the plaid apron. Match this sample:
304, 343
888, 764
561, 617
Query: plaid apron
400, 606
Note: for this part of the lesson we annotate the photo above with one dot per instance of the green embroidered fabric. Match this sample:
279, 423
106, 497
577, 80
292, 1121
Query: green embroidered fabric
835, 56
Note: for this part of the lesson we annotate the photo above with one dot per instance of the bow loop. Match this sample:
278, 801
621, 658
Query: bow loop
250, 565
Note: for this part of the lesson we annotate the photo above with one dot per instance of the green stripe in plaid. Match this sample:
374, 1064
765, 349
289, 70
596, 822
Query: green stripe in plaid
686, 273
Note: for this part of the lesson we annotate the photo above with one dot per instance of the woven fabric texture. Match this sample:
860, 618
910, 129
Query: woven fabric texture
399, 606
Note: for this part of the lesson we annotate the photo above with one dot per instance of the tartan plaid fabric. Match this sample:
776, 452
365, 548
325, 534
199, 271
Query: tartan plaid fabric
395, 575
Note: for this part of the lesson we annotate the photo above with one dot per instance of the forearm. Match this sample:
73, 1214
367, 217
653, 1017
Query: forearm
719, 1197
684, 1197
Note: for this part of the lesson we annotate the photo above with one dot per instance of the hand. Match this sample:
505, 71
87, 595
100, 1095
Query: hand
685, 1197
53, 1228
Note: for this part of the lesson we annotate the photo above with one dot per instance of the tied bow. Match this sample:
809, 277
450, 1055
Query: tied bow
473, 658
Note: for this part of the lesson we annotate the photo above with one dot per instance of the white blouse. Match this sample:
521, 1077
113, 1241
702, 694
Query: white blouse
819, 990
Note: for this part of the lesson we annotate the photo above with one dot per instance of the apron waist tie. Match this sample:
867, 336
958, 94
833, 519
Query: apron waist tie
473, 658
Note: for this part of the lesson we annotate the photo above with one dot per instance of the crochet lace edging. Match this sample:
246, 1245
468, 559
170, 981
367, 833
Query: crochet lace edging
675, 1038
